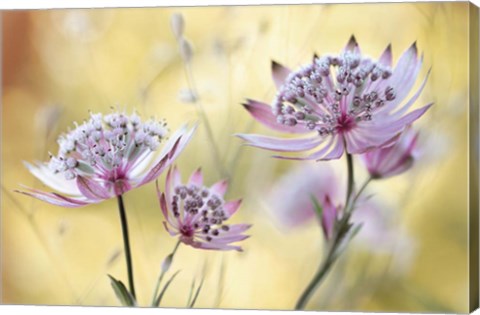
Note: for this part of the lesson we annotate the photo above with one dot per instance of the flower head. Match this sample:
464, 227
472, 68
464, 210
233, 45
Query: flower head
105, 157
394, 159
347, 102
198, 214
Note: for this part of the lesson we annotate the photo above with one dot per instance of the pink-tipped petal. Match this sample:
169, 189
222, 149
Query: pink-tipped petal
231, 207
264, 115
280, 144
163, 201
405, 68
168, 185
196, 178
279, 74
400, 123
317, 155
172, 149
231, 238
56, 199
52, 180
239, 228
412, 100
220, 188
216, 246
386, 57
176, 177
352, 45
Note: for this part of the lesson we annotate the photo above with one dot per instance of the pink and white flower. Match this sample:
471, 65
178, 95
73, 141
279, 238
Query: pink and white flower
105, 157
394, 159
346, 102
198, 214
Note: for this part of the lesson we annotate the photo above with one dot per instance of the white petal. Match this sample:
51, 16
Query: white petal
55, 181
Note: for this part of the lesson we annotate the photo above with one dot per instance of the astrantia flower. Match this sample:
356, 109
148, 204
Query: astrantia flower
105, 157
290, 202
394, 159
346, 102
290, 198
198, 214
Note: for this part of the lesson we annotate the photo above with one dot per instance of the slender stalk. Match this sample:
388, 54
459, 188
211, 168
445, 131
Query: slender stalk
360, 191
204, 117
350, 179
126, 244
341, 230
162, 274
319, 276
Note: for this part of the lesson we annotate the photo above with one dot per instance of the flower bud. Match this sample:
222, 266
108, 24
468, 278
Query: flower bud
394, 159
329, 217
178, 25
167, 262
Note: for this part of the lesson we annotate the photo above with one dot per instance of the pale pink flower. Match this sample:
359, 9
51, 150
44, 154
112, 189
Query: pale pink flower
347, 102
290, 198
394, 159
290, 202
198, 214
105, 157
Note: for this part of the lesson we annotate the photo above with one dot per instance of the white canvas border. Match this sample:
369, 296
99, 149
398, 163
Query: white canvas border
76, 310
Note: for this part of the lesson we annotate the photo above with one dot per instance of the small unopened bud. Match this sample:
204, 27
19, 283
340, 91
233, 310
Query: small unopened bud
186, 49
178, 25
167, 262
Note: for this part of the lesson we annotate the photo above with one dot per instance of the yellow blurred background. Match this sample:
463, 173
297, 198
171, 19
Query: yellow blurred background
58, 64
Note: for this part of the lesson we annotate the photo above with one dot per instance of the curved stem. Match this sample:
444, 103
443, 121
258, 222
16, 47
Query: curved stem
360, 191
341, 229
319, 276
126, 244
204, 117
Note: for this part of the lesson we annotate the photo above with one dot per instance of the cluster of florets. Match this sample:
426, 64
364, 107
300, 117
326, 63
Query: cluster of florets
202, 209
105, 143
318, 94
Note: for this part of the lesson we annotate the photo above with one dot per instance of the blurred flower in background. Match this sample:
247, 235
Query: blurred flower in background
290, 202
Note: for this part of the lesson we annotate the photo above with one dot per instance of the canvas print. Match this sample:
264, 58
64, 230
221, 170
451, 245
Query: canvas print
293, 157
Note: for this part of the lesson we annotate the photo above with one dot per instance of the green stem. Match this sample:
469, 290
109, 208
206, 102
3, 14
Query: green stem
126, 244
340, 231
360, 191
350, 179
162, 274
319, 276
